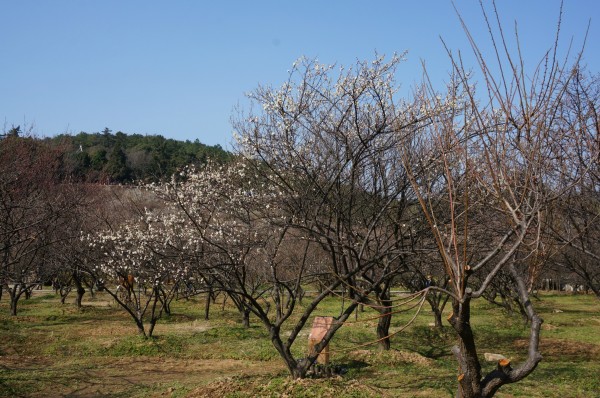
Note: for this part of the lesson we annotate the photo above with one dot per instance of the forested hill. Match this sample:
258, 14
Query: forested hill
122, 158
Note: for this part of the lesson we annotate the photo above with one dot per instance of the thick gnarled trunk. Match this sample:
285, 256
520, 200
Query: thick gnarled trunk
80, 290
465, 351
471, 383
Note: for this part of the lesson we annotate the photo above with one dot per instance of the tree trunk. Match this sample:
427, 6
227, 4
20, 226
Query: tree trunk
14, 295
437, 317
63, 297
471, 384
297, 369
140, 325
465, 351
79, 289
505, 374
79, 296
246, 318
13, 306
154, 316
165, 302
242, 307
64, 291
153, 322
385, 320
28, 291
207, 304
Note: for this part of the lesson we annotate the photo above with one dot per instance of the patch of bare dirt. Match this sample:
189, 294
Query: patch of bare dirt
564, 349
260, 387
547, 326
20, 361
186, 328
88, 329
98, 303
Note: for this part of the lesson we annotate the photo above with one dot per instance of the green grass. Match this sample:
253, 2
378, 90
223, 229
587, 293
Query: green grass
53, 349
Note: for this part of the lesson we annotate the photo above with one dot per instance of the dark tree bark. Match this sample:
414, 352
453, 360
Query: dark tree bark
209, 296
385, 317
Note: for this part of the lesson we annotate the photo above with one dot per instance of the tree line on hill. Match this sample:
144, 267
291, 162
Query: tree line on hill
119, 158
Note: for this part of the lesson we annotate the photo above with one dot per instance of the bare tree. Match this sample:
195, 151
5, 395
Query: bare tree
492, 164
34, 205
574, 227
70, 259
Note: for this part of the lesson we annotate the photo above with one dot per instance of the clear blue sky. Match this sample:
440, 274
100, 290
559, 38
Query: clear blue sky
178, 68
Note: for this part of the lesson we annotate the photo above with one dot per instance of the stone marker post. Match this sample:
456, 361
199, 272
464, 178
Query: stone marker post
320, 326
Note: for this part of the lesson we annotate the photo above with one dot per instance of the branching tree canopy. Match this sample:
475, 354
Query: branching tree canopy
494, 161
574, 229
330, 139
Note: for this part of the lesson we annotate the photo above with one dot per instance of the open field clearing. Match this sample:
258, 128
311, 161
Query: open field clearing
53, 350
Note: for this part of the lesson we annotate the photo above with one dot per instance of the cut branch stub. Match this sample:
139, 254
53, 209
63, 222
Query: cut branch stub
504, 365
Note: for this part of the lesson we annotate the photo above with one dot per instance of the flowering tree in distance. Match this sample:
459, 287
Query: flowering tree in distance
140, 265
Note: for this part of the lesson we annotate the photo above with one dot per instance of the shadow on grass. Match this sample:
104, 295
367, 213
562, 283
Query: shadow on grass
352, 366
431, 343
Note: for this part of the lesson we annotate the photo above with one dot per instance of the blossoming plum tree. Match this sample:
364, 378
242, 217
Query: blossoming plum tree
239, 236
140, 264
329, 139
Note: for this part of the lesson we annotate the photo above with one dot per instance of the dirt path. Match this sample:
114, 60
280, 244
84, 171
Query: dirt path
139, 376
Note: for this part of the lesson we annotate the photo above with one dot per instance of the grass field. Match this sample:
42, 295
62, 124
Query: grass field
54, 350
